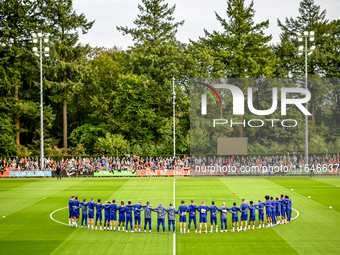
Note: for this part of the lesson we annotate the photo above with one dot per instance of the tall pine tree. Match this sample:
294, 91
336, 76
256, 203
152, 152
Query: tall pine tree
241, 49
68, 65
19, 70
311, 18
158, 55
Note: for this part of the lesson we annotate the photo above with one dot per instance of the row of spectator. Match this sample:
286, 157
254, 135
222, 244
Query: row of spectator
134, 162
289, 160
80, 164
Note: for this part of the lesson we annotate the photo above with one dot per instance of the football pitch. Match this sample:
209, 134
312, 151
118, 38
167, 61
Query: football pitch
26, 225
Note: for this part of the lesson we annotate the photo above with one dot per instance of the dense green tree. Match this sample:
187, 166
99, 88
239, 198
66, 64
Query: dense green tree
311, 18
332, 71
241, 49
321, 63
115, 102
159, 57
68, 66
18, 75
106, 66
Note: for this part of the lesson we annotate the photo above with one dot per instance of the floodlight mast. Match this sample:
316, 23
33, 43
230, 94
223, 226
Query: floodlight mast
38, 39
304, 49
174, 118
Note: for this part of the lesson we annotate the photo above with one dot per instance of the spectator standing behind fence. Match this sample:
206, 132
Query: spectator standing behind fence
58, 171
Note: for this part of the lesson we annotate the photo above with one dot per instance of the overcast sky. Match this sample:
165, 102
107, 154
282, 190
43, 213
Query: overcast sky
198, 14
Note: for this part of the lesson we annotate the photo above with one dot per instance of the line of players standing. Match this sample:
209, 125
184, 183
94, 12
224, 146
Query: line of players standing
276, 210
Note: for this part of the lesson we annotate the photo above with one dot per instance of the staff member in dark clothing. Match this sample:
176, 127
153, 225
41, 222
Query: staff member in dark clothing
58, 172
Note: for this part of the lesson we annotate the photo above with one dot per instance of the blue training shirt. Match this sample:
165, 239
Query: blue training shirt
91, 206
99, 208
251, 210
121, 209
76, 204
213, 211
128, 210
260, 207
203, 209
273, 205
244, 208
268, 205
283, 205
278, 205
234, 211
70, 205
107, 209
113, 208
182, 210
138, 206
192, 210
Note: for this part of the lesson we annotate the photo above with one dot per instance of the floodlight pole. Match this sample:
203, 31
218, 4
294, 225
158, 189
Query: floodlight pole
41, 111
304, 49
173, 110
38, 39
306, 117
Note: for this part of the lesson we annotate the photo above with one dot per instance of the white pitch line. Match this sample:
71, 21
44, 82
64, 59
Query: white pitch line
169, 198
297, 213
174, 236
51, 216
274, 186
186, 187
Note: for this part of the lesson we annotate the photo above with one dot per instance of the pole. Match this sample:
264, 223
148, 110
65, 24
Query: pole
306, 117
41, 112
173, 110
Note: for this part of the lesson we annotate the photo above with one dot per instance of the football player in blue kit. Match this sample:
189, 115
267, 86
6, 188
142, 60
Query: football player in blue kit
213, 218
128, 210
182, 212
121, 215
113, 214
203, 209
244, 214
273, 211
234, 218
260, 208
91, 206
76, 213
268, 205
70, 209
137, 209
283, 209
252, 214
277, 215
192, 215
99, 215
107, 215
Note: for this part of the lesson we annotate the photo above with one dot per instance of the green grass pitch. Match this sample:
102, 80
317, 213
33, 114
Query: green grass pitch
28, 203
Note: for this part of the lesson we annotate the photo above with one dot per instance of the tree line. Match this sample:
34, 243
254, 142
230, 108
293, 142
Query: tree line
111, 101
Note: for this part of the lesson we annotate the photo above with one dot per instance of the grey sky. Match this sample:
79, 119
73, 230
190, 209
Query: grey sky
198, 14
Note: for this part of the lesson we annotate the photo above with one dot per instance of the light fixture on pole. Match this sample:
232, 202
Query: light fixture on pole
38, 50
303, 37
173, 109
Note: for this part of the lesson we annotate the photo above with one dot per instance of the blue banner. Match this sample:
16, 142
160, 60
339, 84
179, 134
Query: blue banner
30, 173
